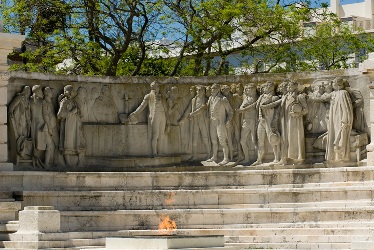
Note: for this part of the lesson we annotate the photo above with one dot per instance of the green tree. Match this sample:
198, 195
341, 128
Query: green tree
113, 37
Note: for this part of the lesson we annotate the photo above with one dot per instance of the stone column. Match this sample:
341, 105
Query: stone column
367, 67
7, 43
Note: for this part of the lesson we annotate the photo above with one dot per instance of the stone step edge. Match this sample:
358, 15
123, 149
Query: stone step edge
220, 211
248, 170
267, 189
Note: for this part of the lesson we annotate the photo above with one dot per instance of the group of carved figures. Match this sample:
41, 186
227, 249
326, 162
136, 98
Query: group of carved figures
40, 134
241, 118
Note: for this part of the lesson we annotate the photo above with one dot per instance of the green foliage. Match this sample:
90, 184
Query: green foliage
111, 37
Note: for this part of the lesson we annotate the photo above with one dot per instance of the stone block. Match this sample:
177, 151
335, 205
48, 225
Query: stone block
165, 242
39, 219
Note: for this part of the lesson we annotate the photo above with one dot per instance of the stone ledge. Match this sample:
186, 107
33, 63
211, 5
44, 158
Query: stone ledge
132, 162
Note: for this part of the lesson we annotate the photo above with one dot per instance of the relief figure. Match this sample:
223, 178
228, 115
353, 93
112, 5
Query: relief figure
249, 122
71, 140
20, 121
340, 123
158, 121
104, 107
221, 115
268, 122
38, 128
293, 108
198, 116
51, 127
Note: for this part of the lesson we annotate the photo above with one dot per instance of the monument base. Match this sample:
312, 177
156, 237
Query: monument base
167, 242
133, 162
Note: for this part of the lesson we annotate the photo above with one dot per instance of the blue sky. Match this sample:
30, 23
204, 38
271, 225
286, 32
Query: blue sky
350, 1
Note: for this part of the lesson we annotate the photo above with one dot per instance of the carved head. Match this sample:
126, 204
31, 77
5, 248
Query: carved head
200, 90
338, 83
174, 91
37, 90
321, 87
292, 86
68, 89
282, 87
328, 87
193, 90
155, 87
233, 88
268, 87
26, 91
208, 90
239, 89
48, 92
215, 89
250, 88
225, 89
346, 83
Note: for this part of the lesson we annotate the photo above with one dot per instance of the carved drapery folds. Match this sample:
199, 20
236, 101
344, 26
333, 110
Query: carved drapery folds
244, 123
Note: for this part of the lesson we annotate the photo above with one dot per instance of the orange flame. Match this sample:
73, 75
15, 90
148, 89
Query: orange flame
167, 224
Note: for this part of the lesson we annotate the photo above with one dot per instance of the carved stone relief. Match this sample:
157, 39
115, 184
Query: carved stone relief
247, 123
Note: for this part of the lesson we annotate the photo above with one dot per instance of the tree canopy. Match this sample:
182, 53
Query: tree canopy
183, 37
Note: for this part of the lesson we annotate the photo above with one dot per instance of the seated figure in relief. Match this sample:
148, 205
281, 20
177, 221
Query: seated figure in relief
158, 120
268, 122
221, 115
249, 122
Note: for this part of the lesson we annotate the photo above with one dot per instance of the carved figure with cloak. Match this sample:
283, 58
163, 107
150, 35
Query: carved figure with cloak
340, 123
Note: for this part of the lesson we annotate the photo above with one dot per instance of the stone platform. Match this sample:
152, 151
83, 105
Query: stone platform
254, 208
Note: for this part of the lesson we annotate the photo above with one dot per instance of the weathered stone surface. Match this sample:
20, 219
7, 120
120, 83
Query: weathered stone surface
38, 219
125, 135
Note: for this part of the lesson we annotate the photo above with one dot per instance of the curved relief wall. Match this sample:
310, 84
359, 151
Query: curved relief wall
248, 120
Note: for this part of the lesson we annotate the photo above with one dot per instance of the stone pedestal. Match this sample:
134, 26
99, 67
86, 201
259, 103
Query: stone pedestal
34, 221
208, 242
7, 43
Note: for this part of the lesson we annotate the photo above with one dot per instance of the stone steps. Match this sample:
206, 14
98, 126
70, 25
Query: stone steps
190, 218
39, 181
262, 239
298, 245
216, 198
285, 208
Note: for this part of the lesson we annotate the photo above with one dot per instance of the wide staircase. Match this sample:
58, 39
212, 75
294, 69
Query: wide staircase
293, 207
